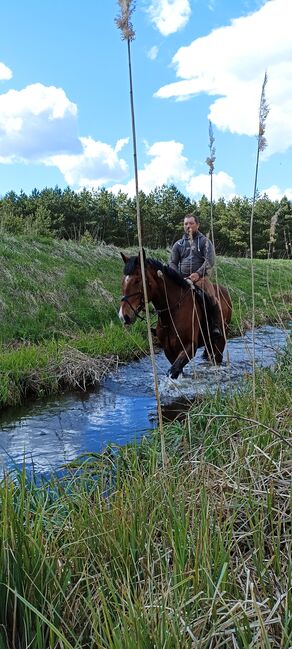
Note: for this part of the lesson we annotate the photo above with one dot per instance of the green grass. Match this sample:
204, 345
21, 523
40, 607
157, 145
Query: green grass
273, 292
56, 295
124, 554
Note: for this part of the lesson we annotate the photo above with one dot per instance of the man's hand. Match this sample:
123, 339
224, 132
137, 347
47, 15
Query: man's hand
194, 277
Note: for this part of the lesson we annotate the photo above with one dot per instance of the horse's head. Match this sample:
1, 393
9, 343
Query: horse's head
132, 301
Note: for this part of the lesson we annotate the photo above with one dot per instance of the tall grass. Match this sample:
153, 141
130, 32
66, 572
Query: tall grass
124, 553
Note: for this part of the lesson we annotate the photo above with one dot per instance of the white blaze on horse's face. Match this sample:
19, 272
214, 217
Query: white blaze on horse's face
127, 313
121, 316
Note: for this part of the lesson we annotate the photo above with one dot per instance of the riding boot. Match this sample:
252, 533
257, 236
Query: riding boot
216, 322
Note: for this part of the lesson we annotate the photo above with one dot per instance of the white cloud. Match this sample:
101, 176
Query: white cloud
167, 165
275, 193
97, 164
169, 16
39, 124
5, 72
36, 122
152, 53
230, 63
223, 185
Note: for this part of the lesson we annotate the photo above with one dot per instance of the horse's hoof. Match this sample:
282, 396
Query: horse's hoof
171, 374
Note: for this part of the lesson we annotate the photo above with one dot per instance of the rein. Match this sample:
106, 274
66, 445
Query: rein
176, 306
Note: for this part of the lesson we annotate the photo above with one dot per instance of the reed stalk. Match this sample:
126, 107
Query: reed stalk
261, 145
124, 23
210, 161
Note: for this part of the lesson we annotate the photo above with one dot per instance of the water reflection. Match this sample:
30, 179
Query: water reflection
49, 433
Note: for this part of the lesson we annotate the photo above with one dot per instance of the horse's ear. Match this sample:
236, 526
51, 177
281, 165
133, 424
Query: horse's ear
124, 257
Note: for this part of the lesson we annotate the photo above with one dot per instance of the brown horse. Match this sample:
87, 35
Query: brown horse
184, 311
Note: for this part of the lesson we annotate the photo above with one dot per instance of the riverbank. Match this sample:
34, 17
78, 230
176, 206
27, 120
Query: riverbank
128, 553
58, 306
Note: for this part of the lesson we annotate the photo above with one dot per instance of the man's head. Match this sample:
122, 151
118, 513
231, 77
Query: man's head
191, 224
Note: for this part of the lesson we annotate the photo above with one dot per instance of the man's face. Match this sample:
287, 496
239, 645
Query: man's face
190, 225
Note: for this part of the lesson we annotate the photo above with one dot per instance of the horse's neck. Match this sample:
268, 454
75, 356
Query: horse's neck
168, 296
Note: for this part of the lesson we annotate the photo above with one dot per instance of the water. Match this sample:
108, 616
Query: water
51, 432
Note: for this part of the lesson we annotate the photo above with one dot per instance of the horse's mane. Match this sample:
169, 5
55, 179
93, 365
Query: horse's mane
131, 266
177, 278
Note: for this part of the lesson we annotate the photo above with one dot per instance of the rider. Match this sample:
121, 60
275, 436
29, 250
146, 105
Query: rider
194, 256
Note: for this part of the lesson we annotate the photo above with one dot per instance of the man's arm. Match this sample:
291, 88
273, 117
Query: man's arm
175, 257
209, 259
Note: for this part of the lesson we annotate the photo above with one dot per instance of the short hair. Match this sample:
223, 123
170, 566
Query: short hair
192, 216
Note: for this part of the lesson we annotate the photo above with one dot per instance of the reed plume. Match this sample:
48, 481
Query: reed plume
273, 225
124, 24
262, 143
123, 21
210, 160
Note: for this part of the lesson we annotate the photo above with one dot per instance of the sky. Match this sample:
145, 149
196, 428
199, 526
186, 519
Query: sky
65, 104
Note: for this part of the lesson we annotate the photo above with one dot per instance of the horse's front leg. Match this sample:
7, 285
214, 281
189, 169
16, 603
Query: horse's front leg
214, 350
181, 360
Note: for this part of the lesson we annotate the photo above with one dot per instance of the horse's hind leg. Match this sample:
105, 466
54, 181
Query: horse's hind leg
182, 359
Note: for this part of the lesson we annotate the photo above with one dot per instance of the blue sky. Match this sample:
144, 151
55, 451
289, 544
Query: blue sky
64, 95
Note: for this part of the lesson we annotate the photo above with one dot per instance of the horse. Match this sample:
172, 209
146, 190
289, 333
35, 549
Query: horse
184, 311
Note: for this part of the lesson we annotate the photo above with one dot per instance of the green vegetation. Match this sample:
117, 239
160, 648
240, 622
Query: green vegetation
58, 308
101, 215
125, 554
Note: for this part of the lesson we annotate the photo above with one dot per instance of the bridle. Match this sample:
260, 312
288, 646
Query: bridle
125, 298
159, 312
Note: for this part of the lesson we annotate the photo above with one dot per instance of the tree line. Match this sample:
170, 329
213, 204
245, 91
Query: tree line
103, 216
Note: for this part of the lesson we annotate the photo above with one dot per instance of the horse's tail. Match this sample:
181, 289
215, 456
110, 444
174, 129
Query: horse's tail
224, 298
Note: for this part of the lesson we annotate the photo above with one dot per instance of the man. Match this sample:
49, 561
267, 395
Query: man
193, 256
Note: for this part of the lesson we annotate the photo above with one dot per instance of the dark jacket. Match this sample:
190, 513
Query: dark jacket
193, 256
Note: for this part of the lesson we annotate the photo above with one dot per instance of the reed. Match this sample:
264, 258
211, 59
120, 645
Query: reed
261, 145
210, 161
124, 23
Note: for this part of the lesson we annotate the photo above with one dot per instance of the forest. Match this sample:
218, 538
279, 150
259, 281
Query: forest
100, 215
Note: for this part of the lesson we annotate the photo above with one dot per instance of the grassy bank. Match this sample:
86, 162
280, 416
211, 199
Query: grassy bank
58, 309
129, 555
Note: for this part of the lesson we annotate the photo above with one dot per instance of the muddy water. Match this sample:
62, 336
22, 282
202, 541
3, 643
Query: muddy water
51, 432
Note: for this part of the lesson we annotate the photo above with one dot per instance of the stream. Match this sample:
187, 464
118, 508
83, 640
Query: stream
50, 432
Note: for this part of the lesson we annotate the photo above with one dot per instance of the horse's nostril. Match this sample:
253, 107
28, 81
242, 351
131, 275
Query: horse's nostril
127, 319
